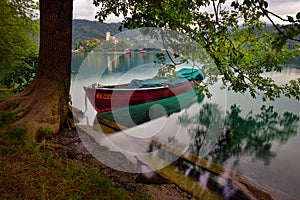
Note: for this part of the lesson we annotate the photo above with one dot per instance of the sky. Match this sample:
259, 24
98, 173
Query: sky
84, 9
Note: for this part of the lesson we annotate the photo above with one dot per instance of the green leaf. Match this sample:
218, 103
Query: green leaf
298, 16
290, 18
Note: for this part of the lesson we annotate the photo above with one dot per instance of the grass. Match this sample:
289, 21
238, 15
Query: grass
28, 171
5, 93
27, 174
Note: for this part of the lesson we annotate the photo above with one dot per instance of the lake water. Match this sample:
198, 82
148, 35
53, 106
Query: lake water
265, 137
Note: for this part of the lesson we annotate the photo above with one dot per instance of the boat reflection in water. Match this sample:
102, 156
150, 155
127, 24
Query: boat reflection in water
213, 173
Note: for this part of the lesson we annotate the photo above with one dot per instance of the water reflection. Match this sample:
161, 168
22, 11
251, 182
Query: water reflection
251, 135
77, 59
117, 62
238, 135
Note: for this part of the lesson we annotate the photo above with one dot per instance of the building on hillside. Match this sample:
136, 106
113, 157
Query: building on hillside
109, 37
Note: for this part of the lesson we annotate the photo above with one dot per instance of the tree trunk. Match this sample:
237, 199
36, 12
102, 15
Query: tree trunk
44, 103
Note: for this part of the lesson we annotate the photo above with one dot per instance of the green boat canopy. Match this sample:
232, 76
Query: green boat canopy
191, 74
181, 76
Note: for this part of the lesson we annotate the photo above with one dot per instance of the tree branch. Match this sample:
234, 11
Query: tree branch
216, 11
275, 15
266, 13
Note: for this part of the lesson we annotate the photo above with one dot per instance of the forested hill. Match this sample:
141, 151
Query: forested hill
86, 30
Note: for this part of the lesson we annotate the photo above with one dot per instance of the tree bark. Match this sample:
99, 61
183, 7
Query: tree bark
44, 104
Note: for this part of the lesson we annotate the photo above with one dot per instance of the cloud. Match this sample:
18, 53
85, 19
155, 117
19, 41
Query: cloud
283, 9
84, 9
288, 7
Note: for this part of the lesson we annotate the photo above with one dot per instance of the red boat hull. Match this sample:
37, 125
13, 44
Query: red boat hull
106, 99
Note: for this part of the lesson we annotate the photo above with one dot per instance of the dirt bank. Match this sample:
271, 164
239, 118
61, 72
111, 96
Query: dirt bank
69, 146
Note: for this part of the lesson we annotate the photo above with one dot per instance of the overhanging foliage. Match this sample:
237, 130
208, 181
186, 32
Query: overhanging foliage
232, 33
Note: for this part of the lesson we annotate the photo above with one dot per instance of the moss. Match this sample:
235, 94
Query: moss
18, 133
6, 118
5, 94
9, 117
46, 131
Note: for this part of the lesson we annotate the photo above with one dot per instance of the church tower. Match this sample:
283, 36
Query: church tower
107, 34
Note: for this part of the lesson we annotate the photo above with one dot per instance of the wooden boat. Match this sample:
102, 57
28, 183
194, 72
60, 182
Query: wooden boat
138, 114
142, 51
111, 97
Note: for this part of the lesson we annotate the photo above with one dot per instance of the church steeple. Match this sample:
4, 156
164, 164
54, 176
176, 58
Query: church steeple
107, 34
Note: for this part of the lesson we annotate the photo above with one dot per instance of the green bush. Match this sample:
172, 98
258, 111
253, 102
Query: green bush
22, 74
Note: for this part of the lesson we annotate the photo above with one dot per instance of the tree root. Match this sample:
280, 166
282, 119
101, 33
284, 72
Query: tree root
51, 146
42, 105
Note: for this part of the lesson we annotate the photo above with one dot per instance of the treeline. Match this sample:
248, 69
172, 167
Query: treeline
87, 30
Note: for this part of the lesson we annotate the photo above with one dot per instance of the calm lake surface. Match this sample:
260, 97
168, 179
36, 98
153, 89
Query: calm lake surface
265, 135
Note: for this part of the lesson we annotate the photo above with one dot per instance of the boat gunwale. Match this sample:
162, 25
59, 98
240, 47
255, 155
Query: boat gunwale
105, 88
